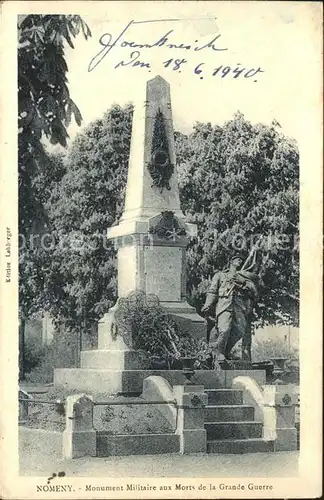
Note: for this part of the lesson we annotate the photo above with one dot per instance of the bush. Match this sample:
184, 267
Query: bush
63, 352
33, 353
145, 325
190, 346
264, 350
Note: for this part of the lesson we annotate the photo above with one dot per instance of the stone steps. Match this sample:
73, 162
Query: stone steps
230, 425
236, 446
224, 397
233, 430
231, 413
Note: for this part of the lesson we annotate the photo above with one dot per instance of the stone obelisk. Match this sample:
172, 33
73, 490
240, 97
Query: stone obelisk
152, 234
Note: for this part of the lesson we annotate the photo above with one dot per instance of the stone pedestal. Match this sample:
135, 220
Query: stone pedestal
150, 240
191, 401
152, 234
23, 406
122, 359
79, 436
237, 364
280, 402
131, 381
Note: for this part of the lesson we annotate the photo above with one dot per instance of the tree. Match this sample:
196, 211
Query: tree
33, 257
44, 103
239, 182
81, 275
45, 109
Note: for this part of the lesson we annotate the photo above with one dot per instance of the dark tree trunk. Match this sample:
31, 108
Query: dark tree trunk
22, 325
79, 345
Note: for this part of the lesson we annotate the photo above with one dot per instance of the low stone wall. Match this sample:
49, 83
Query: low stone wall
80, 438
43, 441
141, 444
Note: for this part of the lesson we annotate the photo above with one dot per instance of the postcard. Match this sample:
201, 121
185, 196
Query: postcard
161, 284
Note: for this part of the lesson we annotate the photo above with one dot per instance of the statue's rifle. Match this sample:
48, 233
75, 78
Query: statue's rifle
246, 267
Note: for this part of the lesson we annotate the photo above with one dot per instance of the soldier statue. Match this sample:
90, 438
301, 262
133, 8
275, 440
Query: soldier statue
230, 299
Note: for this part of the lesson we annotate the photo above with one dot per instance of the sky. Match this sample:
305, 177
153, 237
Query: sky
275, 37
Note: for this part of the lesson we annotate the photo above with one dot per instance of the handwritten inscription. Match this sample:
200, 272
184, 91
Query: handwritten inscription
135, 59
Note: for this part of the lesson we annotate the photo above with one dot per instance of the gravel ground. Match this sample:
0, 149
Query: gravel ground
283, 464
123, 419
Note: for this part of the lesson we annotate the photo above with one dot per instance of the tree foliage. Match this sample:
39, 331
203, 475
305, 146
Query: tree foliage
81, 275
44, 110
239, 182
33, 246
236, 181
45, 107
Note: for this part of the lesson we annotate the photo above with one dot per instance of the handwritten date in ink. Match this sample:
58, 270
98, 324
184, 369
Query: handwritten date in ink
234, 72
174, 64
223, 71
147, 51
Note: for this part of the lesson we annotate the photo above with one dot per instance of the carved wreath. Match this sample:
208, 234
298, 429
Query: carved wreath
195, 400
160, 166
168, 227
286, 399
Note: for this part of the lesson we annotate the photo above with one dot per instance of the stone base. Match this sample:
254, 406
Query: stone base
193, 441
286, 439
237, 364
240, 446
187, 319
114, 359
131, 381
78, 444
136, 444
105, 332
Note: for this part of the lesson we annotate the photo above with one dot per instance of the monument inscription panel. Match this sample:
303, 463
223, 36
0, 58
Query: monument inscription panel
163, 272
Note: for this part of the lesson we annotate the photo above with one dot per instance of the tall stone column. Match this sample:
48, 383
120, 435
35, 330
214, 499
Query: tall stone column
152, 234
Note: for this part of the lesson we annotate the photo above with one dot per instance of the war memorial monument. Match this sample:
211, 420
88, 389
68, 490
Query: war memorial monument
226, 409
